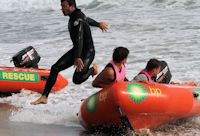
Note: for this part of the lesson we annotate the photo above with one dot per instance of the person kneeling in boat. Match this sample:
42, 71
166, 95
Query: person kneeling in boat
148, 74
114, 71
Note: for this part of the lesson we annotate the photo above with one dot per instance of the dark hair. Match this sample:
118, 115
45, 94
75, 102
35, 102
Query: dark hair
152, 63
119, 54
70, 2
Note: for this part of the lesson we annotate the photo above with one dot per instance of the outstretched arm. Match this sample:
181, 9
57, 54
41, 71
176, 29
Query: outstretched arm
102, 25
92, 22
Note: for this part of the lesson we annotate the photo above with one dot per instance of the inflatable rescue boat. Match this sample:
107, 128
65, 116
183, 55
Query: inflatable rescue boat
26, 74
13, 79
138, 105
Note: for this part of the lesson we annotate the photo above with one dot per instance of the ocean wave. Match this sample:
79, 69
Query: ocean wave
176, 3
48, 5
28, 5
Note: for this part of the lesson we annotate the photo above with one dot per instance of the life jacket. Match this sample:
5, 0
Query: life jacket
147, 75
120, 74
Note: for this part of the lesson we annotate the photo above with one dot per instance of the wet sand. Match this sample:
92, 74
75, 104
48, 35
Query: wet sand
9, 128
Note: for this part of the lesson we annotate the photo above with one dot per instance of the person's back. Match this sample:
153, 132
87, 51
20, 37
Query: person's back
114, 71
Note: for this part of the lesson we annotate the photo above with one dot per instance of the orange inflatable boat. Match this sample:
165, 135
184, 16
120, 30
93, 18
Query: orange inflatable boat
139, 105
14, 79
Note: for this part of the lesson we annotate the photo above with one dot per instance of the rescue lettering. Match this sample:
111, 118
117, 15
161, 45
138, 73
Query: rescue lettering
19, 76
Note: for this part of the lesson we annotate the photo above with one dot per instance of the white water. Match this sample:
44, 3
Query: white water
165, 29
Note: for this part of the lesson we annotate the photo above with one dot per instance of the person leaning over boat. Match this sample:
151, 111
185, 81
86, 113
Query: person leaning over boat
114, 71
81, 55
148, 74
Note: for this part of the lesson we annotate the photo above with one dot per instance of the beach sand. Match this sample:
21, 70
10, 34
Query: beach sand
9, 128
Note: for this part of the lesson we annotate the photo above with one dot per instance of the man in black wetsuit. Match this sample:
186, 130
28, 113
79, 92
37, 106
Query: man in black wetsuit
81, 55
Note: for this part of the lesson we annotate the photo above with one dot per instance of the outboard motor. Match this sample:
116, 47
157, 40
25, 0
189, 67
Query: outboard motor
28, 58
164, 70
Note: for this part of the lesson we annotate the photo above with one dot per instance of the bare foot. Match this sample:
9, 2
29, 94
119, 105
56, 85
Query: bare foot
41, 100
96, 71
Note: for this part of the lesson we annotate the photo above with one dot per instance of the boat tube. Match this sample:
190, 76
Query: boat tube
139, 105
13, 79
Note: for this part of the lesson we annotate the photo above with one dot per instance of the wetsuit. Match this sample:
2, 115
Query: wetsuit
83, 48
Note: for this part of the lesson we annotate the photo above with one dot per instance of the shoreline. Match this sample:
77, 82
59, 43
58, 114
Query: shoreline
9, 128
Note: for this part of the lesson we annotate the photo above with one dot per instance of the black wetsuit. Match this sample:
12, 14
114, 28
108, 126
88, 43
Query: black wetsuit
83, 48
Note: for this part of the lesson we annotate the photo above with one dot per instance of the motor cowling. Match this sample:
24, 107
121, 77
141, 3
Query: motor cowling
27, 58
164, 71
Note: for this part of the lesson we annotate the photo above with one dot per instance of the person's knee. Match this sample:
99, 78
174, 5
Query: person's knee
77, 80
